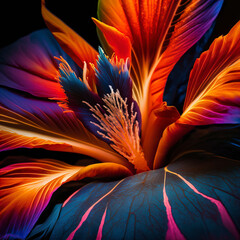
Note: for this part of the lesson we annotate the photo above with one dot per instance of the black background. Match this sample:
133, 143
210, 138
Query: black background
19, 18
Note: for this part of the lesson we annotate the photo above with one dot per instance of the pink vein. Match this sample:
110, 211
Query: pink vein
99, 235
85, 216
173, 231
68, 199
226, 219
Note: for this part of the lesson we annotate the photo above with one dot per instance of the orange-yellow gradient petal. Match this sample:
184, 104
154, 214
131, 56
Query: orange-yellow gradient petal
160, 31
213, 95
9, 140
27, 187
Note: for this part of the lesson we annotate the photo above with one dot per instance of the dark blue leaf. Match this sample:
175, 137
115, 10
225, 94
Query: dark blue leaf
197, 196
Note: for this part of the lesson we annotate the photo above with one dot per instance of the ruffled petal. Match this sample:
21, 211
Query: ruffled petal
78, 95
111, 115
26, 189
112, 77
194, 197
35, 117
114, 73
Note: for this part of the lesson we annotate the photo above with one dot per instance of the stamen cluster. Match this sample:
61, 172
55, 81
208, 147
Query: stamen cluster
117, 123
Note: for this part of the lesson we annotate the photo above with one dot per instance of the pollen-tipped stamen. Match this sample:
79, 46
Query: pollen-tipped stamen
65, 71
119, 125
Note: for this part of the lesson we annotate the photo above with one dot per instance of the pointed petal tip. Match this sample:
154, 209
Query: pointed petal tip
74, 45
118, 41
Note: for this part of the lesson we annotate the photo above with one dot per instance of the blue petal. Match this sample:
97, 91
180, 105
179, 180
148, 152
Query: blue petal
78, 97
195, 197
109, 74
76, 90
111, 79
48, 225
118, 78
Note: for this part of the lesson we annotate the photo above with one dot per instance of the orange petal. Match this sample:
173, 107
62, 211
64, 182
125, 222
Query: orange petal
10, 139
75, 46
159, 119
213, 94
194, 21
146, 25
171, 135
117, 40
160, 31
27, 187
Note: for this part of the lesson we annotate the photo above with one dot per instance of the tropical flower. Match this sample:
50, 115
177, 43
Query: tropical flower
109, 105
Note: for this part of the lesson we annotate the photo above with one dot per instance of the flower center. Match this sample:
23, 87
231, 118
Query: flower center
119, 125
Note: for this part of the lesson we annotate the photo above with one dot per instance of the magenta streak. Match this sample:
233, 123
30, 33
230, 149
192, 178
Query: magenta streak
173, 231
68, 199
85, 216
99, 235
226, 219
